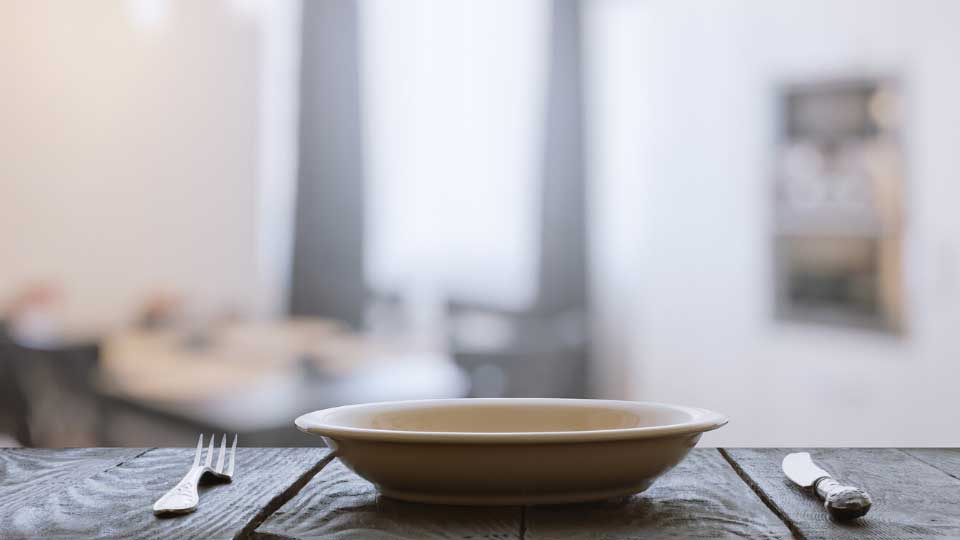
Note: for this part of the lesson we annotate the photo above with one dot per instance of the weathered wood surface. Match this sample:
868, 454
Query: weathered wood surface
911, 499
116, 500
701, 498
945, 459
300, 494
28, 474
338, 504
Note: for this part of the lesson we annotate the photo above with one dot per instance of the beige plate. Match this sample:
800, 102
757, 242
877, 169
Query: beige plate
510, 451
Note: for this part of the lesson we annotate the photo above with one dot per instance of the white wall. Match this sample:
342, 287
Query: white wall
681, 106
136, 141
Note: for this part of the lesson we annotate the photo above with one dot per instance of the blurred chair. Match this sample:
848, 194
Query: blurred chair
58, 405
520, 354
13, 405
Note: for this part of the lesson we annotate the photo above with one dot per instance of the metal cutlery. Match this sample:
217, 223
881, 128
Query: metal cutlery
183, 498
843, 502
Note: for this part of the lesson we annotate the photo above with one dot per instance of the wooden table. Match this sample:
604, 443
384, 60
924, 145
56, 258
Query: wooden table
302, 493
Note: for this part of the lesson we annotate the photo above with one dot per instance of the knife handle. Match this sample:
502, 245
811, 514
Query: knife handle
843, 502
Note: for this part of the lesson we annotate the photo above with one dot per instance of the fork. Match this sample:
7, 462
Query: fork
183, 498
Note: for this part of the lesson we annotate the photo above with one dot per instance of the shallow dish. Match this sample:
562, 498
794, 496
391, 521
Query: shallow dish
510, 451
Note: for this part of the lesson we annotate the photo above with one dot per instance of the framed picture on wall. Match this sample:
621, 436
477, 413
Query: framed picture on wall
838, 190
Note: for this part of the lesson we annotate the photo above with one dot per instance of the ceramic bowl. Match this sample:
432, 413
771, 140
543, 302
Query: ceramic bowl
510, 451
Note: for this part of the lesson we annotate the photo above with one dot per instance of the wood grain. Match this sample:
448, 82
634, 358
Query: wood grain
701, 498
945, 459
339, 504
910, 498
116, 502
28, 474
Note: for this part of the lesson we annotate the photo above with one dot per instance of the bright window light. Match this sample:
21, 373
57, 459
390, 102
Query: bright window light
453, 106
149, 13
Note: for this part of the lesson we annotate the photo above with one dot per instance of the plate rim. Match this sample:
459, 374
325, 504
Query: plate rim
702, 420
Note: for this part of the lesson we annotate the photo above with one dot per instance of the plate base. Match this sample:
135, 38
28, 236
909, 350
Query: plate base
473, 499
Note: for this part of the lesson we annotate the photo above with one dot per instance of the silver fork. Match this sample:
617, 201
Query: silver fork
183, 498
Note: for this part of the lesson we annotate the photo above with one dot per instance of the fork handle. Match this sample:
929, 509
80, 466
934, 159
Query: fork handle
183, 497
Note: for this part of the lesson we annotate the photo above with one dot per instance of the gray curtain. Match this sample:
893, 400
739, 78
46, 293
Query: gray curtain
563, 250
328, 248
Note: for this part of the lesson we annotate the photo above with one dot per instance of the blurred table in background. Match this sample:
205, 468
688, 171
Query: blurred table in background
166, 386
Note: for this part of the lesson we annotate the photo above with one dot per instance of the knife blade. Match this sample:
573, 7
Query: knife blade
843, 502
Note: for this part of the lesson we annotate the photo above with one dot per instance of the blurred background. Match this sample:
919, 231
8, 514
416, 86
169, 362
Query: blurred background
217, 215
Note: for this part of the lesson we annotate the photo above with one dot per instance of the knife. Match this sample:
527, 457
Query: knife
843, 502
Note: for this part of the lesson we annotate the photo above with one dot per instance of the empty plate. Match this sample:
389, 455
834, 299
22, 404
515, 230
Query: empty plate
510, 451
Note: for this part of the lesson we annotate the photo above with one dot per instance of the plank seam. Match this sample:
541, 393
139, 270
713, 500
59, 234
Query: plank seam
248, 532
766, 499
927, 463
523, 522
129, 460
272, 536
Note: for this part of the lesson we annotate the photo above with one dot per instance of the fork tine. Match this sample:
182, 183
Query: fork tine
233, 456
223, 449
210, 451
196, 458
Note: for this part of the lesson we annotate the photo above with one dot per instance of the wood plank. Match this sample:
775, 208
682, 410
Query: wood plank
911, 499
945, 459
117, 502
51, 471
701, 498
339, 504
